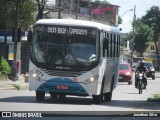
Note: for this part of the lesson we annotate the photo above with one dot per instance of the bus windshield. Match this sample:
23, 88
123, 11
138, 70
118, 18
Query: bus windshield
65, 46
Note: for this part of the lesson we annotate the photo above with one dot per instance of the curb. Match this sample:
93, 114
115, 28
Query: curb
11, 87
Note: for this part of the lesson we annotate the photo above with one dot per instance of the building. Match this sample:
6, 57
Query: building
152, 52
151, 49
105, 13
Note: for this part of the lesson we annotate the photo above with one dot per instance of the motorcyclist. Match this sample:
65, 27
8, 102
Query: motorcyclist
141, 68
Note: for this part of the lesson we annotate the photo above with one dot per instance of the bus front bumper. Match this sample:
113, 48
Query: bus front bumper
66, 86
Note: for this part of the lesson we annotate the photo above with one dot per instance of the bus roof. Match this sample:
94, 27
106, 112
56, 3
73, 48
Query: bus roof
81, 23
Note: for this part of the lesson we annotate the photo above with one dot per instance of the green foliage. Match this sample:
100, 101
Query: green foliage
103, 2
146, 29
41, 6
27, 9
125, 38
143, 35
7, 14
4, 67
119, 20
154, 15
153, 21
155, 97
16, 86
27, 13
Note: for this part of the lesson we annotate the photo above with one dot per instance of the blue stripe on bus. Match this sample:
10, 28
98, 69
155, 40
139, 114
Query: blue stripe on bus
51, 86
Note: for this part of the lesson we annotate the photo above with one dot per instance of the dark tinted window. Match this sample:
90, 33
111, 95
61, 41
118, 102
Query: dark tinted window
149, 65
124, 67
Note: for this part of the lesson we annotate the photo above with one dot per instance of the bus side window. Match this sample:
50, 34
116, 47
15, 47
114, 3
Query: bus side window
118, 46
111, 45
108, 44
105, 47
114, 42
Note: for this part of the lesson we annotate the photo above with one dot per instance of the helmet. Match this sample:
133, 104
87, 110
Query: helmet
142, 62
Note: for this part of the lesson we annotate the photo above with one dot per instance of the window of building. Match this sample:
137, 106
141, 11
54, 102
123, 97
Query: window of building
152, 47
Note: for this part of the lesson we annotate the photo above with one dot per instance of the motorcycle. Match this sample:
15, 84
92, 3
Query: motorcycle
140, 82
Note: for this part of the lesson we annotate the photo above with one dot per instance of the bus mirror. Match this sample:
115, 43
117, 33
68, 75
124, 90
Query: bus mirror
29, 37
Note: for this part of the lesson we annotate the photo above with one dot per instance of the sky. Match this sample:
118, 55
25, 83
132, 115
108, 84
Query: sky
141, 7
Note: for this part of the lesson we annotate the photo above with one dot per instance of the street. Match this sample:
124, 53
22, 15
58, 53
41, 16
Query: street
125, 99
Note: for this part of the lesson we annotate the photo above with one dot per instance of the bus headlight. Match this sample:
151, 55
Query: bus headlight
91, 79
34, 75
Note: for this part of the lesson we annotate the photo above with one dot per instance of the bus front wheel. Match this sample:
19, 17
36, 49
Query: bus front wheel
40, 95
97, 99
108, 96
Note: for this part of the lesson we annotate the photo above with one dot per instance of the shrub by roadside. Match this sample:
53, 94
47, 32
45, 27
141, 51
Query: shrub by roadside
5, 69
154, 98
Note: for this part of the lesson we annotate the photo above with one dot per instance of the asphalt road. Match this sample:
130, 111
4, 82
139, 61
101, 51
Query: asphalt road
126, 100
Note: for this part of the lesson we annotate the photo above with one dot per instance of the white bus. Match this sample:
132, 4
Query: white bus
74, 57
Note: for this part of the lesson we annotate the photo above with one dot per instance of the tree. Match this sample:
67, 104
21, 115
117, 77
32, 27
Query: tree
27, 9
41, 6
143, 35
27, 13
154, 15
119, 20
125, 38
7, 8
103, 2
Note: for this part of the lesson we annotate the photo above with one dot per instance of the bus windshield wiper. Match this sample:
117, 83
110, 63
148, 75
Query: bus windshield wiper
72, 54
58, 55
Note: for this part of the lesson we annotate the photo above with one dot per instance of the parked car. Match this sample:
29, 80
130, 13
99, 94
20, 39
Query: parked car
125, 73
151, 70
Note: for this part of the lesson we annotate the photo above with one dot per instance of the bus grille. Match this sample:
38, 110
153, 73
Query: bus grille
63, 73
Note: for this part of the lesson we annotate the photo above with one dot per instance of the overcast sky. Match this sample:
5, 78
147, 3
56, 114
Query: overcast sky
141, 7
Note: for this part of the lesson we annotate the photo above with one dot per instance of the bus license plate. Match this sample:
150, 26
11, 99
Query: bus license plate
62, 87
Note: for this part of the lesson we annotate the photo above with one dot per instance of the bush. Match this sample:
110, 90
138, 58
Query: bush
5, 69
154, 98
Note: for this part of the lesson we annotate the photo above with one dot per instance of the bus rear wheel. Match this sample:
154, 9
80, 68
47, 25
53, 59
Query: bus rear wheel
40, 95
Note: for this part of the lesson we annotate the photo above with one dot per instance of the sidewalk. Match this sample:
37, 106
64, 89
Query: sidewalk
158, 74
20, 84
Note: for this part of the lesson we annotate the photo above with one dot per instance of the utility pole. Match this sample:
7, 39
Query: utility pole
15, 43
77, 11
90, 17
71, 7
59, 9
133, 44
